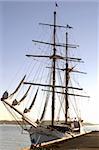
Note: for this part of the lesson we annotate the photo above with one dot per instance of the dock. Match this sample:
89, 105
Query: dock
88, 141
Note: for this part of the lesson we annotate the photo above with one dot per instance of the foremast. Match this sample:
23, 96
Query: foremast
53, 57
54, 71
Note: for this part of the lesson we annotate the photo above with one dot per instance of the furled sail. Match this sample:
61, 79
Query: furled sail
44, 110
15, 102
27, 110
24, 96
19, 85
4, 96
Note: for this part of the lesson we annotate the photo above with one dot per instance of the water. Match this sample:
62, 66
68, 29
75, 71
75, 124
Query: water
12, 138
91, 128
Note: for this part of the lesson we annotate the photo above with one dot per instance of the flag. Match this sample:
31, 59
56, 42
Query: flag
56, 4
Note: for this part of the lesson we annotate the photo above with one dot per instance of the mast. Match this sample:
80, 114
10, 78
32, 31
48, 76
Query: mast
66, 80
54, 70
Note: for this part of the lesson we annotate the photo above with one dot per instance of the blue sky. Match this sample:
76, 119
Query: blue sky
19, 25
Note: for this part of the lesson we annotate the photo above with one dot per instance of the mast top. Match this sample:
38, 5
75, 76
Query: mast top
56, 6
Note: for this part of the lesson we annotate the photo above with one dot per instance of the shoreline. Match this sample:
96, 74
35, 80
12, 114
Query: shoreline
13, 122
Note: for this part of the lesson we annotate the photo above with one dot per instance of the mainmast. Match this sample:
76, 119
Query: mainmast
66, 80
54, 66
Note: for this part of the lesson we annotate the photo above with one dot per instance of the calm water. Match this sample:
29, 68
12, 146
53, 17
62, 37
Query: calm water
12, 138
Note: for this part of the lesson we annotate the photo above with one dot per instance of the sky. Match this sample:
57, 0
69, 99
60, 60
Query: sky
19, 25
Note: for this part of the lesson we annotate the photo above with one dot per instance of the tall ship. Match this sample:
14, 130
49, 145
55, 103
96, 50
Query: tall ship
46, 97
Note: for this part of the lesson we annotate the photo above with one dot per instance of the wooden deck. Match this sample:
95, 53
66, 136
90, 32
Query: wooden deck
89, 141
